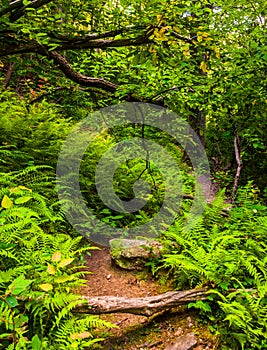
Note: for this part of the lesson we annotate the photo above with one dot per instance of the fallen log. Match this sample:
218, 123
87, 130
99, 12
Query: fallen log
144, 306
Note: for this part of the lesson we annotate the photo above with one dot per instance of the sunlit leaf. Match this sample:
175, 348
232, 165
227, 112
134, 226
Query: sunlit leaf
46, 287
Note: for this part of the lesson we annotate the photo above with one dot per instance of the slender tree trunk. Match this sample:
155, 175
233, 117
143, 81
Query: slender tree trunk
239, 164
8, 74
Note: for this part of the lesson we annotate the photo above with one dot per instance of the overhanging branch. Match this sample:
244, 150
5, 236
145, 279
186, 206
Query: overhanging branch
13, 5
79, 78
21, 10
94, 36
82, 44
17, 8
78, 43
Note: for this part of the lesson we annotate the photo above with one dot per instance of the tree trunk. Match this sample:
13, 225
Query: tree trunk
144, 306
239, 165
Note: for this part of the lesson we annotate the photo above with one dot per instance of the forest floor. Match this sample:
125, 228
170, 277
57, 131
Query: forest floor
139, 332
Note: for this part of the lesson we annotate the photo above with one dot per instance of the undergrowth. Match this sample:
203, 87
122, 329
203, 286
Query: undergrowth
226, 252
40, 271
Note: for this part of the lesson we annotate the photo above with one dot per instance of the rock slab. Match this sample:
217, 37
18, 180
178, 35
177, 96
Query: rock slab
133, 254
185, 342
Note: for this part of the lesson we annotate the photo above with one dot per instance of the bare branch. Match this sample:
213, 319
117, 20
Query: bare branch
13, 5
11, 50
19, 8
81, 44
20, 11
94, 36
79, 78
86, 44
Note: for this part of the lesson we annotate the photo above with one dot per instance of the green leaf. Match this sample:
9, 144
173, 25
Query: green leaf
199, 304
23, 199
5, 335
36, 343
224, 285
117, 217
18, 285
12, 301
105, 211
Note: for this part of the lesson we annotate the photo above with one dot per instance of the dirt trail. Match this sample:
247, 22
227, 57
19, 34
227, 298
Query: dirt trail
138, 332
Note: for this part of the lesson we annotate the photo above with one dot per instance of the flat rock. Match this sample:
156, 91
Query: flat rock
132, 254
184, 342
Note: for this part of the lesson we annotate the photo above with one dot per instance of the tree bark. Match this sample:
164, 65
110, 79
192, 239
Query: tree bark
8, 74
70, 73
145, 306
239, 165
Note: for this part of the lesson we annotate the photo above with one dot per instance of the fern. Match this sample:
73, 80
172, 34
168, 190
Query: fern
225, 253
36, 289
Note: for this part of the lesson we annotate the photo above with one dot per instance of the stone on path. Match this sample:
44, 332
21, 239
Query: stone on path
133, 254
185, 342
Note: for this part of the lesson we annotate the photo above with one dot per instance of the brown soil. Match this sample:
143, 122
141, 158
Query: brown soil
138, 332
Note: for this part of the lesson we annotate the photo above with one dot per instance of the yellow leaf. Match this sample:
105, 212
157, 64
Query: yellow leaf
46, 287
56, 257
20, 187
65, 262
159, 34
51, 269
162, 30
82, 335
159, 18
186, 51
254, 102
217, 52
25, 188
6, 202
203, 67
74, 336
63, 279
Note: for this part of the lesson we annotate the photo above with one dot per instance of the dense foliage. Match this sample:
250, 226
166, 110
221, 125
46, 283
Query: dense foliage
227, 254
206, 61
61, 61
39, 271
